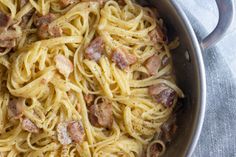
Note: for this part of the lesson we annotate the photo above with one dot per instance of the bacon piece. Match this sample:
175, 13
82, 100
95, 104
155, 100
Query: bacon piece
100, 114
45, 31
121, 2
55, 31
9, 35
101, 2
156, 89
122, 58
95, 49
153, 64
15, 108
63, 65
155, 150
162, 94
29, 126
4, 20
76, 131
168, 129
46, 19
89, 98
65, 3
62, 134
156, 35
165, 60
8, 38
7, 44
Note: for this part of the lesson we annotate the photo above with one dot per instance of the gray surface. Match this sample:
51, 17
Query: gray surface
218, 137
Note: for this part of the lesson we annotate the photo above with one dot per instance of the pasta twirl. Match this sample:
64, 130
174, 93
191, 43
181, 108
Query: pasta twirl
83, 78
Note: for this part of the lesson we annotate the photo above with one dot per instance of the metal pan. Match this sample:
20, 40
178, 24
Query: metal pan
189, 69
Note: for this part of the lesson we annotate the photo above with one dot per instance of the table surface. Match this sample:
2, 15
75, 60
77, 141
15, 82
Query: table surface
218, 136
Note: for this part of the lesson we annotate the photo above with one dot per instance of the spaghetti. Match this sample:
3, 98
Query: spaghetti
85, 79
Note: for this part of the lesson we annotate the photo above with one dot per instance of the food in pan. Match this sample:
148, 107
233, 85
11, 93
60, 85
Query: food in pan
84, 78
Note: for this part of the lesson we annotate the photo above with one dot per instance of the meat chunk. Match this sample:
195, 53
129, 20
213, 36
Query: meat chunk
62, 134
168, 129
100, 114
4, 20
165, 60
162, 94
63, 65
95, 49
45, 31
89, 98
65, 3
15, 108
76, 131
156, 35
9, 35
29, 126
153, 64
121, 2
55, 31
7, 43
166, 97
122, 58
101, 2
46, 19
8, 38
155, 149
156, 89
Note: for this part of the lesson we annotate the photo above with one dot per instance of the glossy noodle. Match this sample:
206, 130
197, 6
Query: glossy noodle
81, 82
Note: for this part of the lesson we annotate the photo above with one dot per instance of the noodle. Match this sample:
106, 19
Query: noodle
54, 93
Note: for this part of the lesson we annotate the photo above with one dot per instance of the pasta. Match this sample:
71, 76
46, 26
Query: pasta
83, 78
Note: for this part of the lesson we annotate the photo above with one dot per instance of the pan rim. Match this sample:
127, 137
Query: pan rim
199, 119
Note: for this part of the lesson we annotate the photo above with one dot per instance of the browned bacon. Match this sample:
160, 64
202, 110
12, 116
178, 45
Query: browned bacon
95, 49
89, 98
100, 114
63, 65
45, 31
4, 20
76, 131
29, 126
62, 134
153, 64
122, 58
15, 108
162, 94
156, 35
46, 19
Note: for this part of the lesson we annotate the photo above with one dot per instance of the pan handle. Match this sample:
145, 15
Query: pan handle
226, 12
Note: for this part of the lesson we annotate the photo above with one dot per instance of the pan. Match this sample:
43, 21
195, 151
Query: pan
189, 69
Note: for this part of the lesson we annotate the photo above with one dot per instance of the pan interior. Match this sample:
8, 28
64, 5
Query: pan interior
187, 71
